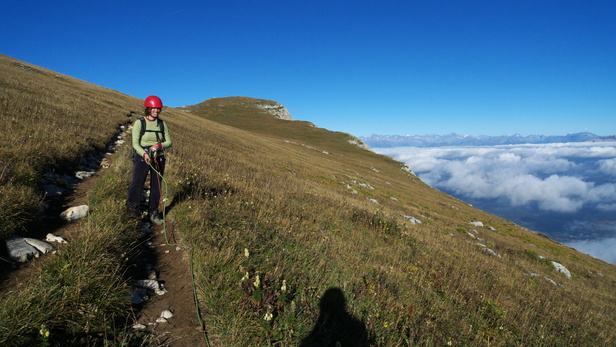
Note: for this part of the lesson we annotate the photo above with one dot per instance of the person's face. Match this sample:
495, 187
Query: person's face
154, 112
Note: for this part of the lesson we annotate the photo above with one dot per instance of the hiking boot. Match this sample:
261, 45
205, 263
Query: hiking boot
156, 218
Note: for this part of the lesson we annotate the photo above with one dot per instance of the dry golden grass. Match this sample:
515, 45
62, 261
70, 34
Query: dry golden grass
268, 206
49, 122
279, 189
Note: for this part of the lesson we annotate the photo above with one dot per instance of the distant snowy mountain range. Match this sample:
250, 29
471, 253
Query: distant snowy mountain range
453, 139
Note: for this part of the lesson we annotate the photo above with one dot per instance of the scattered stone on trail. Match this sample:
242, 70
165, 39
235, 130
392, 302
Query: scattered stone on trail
75, 212
20, 250
105, 164
154, 285
84, 174
139, 326
53, 238
164, 317
40, 245
23, 248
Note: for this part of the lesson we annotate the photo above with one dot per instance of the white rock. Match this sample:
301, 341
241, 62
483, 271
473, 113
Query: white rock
53, 238
162, 320
477, 224
75, 212
84, 174
40, 245
20, 250
166, 314
139, 327
105, 164
560, 268
147, 284
152, 285
412, 219
276, 110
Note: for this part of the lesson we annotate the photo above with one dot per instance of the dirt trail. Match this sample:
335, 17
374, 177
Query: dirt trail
170, 262
172, 265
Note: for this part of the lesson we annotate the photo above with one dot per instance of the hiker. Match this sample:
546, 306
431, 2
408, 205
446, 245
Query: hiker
150, 139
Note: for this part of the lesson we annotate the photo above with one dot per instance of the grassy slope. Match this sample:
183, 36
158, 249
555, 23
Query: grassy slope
388, 267
49, 122
242, 182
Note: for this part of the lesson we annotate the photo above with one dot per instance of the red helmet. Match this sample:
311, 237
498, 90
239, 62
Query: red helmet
153, 101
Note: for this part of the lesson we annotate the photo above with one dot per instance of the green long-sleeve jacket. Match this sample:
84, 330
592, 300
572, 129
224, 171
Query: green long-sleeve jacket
149, 137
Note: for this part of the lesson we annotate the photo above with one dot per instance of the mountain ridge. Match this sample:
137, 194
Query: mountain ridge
454, 139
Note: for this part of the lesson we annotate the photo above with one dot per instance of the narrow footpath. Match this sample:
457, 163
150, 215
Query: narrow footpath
169, 262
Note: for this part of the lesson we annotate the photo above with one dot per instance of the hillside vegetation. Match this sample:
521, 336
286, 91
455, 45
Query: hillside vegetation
297, 232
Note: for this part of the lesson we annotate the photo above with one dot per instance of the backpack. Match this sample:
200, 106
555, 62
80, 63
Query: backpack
160, 133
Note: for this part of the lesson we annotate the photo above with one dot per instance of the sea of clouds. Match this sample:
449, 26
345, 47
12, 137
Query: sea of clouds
566, 191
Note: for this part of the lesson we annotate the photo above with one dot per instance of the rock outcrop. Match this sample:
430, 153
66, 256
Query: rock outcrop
276, 109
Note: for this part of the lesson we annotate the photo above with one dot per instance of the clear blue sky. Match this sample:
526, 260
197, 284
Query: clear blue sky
362, 67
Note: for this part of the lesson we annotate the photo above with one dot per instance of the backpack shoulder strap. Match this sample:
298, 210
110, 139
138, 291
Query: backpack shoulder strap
161, 128
160, 134
142, 119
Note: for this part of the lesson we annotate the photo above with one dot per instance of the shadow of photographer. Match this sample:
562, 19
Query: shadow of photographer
335, 326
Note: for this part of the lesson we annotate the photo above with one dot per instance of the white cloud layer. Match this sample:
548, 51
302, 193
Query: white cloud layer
602, 249
571, 185
563, 177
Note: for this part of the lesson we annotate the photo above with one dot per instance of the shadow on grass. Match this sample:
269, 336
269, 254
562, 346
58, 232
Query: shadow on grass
198, 191
335, 326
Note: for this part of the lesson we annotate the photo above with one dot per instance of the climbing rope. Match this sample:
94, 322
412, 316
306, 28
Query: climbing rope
192, 272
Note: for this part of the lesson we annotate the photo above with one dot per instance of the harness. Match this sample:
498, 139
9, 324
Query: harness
160, 133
